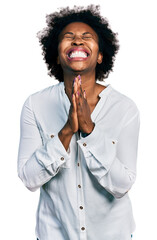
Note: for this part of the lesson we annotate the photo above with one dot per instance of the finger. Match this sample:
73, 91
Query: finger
74, 103
76, 89
80, 85
75, 85
77, 99
84, 94
80, 92
76, 81
77, 95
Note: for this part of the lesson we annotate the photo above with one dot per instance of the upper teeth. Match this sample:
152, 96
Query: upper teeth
78, 54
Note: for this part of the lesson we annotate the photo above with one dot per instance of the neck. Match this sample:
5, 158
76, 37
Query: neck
88, 83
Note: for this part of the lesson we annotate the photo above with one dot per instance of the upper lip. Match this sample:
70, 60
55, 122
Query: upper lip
77, 49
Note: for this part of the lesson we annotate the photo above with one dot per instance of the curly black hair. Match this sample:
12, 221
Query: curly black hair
48, 38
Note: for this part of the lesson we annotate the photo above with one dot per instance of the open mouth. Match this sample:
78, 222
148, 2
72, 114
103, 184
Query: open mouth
77, 54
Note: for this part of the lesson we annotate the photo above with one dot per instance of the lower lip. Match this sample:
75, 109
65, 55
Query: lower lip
77, 58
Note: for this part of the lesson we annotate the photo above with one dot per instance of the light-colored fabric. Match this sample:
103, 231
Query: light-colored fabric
83, 191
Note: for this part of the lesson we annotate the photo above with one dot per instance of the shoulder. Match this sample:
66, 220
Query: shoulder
123, 101
44, 95
46, 92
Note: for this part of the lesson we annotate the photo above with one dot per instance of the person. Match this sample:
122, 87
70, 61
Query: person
79, 138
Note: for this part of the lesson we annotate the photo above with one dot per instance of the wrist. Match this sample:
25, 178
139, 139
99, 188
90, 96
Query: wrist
89, 131
65, 136
66, 130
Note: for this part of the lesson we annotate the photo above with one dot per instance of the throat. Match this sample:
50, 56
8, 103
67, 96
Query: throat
93, 104
95, 98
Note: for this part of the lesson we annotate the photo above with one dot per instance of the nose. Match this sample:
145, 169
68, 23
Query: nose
77, 41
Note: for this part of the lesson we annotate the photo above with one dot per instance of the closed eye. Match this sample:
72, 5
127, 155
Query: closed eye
83, 37
69, 36
86, 37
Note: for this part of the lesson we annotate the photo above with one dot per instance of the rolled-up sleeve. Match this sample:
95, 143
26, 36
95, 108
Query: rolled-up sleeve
113, 160
38, 162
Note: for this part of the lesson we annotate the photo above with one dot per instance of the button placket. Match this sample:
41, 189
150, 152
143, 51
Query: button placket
80, 198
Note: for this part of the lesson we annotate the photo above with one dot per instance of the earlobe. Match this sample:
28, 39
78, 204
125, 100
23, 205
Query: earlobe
100, 57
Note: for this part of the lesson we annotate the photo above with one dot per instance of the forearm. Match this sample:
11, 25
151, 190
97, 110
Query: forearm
112, 160
65, 135
38, 168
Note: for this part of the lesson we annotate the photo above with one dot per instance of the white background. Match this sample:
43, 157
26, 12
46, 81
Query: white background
23, 72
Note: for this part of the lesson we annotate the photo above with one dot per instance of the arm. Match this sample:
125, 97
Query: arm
37, 162
65, 135
113, 162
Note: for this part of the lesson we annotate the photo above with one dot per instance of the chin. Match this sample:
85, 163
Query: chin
79, 68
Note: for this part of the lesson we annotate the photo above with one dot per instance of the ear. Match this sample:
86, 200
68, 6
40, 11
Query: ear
58, 61
100, 57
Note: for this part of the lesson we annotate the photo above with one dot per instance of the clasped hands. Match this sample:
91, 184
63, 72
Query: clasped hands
79, 114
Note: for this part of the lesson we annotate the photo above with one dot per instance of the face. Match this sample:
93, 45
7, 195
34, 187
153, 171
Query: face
78, 49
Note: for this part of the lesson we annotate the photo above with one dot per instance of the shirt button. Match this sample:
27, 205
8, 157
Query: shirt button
78, 164
79, 186
62, 158
52, 136
113, 142
82, 228
81, 207
84, 144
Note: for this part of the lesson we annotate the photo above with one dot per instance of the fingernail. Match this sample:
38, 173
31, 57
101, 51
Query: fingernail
78, 93
79, 77
84, 93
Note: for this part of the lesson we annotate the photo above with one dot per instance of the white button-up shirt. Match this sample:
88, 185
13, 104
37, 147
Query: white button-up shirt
83, 191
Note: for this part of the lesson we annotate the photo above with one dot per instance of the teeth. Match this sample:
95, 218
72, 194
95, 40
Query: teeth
78, 54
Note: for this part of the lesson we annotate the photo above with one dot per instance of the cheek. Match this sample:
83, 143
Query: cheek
94, 46
63, 44
62, 49
96, 51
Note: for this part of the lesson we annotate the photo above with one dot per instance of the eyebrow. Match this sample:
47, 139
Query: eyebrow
73, 33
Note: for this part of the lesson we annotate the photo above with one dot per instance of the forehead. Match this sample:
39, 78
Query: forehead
78, 27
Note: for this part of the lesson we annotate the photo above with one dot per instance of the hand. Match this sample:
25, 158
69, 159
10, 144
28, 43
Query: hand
83, 112
72, 118
79, 115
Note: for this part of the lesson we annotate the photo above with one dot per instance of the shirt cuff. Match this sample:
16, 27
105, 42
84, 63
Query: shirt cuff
98, 149
55, 155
